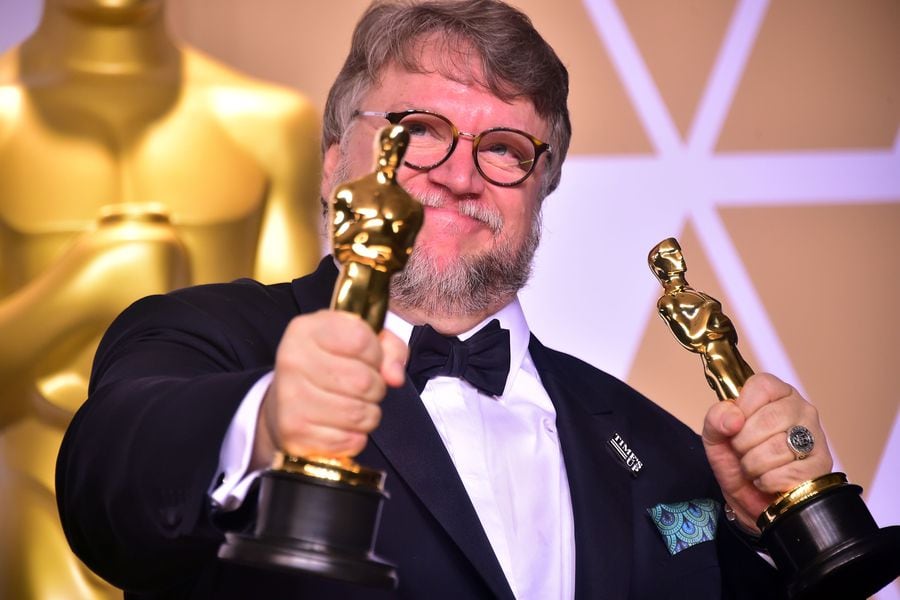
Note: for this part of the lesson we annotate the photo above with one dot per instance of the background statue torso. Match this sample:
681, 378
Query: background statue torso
233, 163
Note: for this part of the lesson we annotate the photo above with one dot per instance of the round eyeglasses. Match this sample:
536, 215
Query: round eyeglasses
503, 156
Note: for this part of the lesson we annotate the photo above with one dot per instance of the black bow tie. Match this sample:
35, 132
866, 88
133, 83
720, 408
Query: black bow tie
482, 360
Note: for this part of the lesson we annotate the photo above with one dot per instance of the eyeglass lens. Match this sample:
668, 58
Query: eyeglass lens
502, 156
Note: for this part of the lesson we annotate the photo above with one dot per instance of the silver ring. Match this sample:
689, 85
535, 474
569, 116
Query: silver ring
800, 440
729, 513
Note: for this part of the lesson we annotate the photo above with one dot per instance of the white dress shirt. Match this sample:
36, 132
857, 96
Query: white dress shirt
506, 450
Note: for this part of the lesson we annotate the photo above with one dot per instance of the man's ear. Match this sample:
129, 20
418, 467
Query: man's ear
329, 166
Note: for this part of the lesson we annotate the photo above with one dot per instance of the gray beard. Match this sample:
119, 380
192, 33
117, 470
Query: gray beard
466, 285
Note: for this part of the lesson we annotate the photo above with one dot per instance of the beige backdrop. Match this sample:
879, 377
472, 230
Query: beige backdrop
763, 134
821, 75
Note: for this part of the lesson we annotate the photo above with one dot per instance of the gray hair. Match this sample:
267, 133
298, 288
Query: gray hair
516, 62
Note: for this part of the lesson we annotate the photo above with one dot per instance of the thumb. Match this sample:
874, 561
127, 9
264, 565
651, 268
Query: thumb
723, 421
393, 364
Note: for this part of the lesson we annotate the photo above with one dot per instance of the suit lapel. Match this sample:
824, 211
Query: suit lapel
409, 441
599, 486
313, 292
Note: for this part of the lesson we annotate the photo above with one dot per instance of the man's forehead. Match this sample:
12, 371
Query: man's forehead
451, 56
458, 85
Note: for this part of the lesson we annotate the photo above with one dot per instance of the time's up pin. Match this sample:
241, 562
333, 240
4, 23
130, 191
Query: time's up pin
625, 454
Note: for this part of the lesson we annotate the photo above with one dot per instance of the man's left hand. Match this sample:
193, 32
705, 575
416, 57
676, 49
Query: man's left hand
746, 444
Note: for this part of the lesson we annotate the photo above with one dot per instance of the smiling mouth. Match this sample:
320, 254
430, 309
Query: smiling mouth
473, 209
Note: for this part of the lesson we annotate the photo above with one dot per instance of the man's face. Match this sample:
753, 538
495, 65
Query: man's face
454, 190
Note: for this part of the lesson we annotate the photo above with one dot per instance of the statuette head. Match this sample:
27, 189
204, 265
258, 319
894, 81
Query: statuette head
666, 260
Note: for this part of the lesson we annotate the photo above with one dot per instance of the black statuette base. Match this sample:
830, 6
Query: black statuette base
831, 547
314, 525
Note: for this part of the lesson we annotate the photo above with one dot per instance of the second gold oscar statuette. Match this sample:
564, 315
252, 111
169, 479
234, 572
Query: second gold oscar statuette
820, 534
319, 514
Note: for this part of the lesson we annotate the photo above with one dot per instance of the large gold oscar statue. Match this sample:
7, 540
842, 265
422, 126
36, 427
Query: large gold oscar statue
128, 166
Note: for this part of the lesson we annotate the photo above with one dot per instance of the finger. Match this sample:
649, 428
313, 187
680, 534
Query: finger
777, 418
345, 334
759, 390
394, 355
311, 419
325, 441
337, 375
769, 420
304, 359
723, 420
343, 413
789, 476
761, 402
770, 455
774, 468
291, 422
301, 402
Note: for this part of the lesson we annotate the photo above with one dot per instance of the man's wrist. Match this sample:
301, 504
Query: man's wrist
236, 469
751, 536
264, 447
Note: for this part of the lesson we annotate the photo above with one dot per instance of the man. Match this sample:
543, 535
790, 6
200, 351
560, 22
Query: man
502, 492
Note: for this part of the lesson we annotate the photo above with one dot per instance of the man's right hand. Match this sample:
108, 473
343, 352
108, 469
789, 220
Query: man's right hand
331, 373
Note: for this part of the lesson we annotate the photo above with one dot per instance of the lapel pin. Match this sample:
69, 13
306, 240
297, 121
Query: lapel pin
626, 455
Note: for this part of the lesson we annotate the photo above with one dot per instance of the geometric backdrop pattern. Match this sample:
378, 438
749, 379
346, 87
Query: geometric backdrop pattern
796, 241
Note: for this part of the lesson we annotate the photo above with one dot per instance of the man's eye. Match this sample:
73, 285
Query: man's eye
416, 129
509, 155
499, 149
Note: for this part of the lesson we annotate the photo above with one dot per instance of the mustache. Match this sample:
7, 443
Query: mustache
473, 209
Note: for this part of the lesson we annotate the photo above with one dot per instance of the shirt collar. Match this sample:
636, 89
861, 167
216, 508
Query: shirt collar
511, 317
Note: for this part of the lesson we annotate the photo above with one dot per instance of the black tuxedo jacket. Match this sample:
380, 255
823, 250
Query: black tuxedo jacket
139, 459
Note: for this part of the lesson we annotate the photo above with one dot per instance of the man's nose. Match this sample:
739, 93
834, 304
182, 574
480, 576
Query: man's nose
458, 173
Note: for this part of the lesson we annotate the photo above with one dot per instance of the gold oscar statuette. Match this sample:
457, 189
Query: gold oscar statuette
820, 534
317, 513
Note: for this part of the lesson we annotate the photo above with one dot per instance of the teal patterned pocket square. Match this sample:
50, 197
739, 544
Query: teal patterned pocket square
683, 524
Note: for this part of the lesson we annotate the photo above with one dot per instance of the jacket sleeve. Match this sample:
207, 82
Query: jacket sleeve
139, 458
